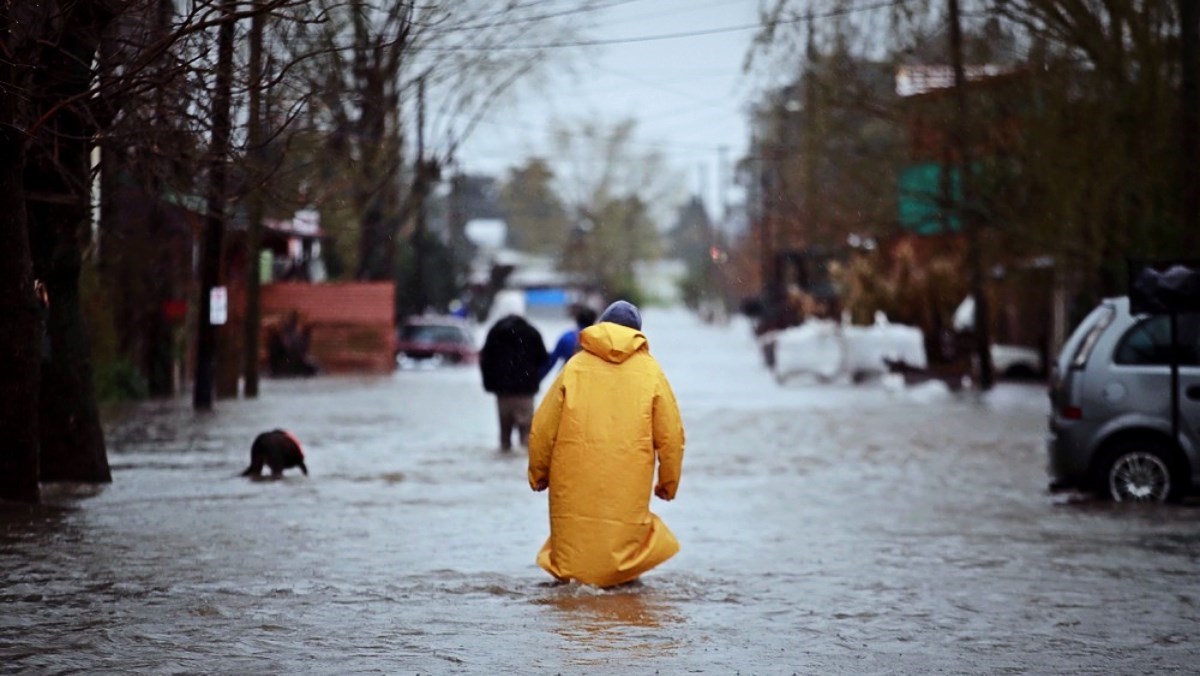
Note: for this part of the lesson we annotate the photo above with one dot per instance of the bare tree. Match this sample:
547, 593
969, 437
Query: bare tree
65, 86
1108, 71
19, 332
368, 61
57, 170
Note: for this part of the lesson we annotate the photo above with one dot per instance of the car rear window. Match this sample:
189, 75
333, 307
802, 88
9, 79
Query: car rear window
1149, 342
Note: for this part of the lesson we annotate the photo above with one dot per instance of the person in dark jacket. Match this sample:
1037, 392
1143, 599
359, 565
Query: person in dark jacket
511, 360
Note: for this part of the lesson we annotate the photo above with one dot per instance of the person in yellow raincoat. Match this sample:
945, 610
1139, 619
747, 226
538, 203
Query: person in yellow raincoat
596, 437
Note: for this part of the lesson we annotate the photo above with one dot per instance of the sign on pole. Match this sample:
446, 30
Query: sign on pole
218, 306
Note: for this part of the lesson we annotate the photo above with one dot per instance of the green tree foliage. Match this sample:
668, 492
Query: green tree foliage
692, 239
612, 188
537, 220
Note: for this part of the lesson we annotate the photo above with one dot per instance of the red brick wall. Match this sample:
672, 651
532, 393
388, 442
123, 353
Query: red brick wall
351, 323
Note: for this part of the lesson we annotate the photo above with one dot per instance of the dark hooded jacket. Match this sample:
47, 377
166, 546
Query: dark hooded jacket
512, 357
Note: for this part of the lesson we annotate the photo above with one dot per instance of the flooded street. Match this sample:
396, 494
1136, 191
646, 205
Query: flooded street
824, 529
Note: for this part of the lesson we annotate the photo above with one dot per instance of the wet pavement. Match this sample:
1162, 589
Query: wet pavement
826, 528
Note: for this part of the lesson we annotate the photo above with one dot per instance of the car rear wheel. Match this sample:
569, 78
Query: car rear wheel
1142, 470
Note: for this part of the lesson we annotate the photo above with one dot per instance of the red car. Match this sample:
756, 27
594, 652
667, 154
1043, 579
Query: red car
435, 340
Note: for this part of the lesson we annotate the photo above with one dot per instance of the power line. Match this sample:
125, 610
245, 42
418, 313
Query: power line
672, 36
660, 145
690, 8
538, 17
648, 83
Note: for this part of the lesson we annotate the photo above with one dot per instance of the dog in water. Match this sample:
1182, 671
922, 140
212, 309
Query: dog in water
278, 450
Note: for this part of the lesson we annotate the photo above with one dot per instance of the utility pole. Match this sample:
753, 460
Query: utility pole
723, 180
812, 132
210, 254
967, 211
420, 293
766, 160
1189, 109
255, 138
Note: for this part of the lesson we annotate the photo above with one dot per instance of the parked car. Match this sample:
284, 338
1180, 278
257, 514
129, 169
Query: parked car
1008, 361
435, 340
1017, 362
1111, 407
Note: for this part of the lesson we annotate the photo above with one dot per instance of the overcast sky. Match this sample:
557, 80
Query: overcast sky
688, 94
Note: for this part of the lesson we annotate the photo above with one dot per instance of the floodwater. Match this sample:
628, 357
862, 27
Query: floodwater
826, 528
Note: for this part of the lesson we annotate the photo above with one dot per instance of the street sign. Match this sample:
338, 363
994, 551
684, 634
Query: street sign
218, 306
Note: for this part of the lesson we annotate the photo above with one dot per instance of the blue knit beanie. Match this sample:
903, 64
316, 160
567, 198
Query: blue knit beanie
623, 313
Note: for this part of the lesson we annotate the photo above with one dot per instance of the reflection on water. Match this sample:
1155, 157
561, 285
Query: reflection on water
30, 523
625, 620
594, 610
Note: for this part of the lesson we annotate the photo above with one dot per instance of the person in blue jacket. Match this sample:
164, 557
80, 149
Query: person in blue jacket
568, 342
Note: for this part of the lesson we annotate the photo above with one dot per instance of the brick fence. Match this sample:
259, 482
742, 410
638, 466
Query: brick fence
351, 324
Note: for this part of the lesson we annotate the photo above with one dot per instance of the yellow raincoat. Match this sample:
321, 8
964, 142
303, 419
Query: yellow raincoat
596, 435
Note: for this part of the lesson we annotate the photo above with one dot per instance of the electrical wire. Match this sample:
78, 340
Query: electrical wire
691, 7
657, 145
538, 17
673, 36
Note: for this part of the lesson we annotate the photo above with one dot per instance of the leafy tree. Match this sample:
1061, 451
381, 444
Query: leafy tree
692, 239
610, 186
537, 220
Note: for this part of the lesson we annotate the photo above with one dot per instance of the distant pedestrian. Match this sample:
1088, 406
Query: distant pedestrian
568, 342
287, 348
512, 355
604, 424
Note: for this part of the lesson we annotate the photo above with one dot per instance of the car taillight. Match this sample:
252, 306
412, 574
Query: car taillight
1071, 412
1092, 337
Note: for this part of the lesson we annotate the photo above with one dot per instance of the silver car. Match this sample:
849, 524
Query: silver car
1111, 407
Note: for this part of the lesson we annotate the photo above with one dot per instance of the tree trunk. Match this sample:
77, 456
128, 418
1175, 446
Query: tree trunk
72, 441
19, 331
376, 258
252, 322
967, 209
157, 358
210, 255
1189, 106
57, 183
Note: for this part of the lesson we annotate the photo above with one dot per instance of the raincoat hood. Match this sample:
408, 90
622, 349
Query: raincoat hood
624, 313
612, 342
